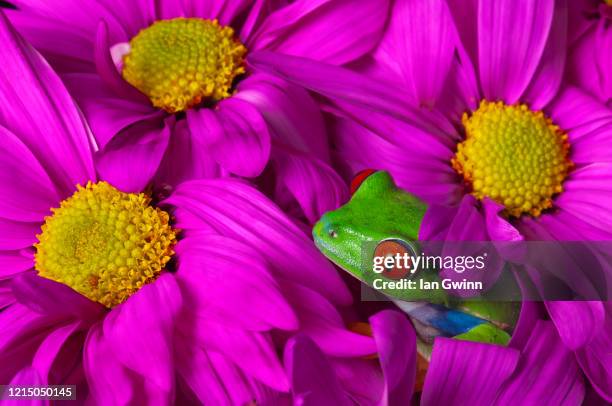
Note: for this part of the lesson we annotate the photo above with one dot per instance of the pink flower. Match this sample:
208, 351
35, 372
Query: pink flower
469, 111
259, 119
124, 310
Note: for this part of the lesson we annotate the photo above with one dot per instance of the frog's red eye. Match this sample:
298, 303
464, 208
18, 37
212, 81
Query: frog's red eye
359, 178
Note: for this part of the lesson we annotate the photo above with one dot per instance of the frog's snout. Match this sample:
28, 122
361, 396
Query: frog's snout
325, 229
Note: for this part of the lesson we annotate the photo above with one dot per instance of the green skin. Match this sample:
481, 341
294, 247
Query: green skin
377, 211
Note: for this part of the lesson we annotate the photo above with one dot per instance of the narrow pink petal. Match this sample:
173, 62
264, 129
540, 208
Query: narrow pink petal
465, 15
6, 294
595, 358
253, 352
215, 203
21, 332
470, 371
333, 31
547, 78
506, 238
583, 195
258, 12
531, 313
579, 113
321, 322
38, 109
512, 36
424, 51
132, 158
186, 158
215, 270
139, 331
470, 225
293, 116
547, 372
105, 66
16, 234
236, 136
223, 10
213, 378
396, 343
13, 263
133, 15
109, 381
27, 192
65, 29
50, 348
577, 322
107, 113
313, 381
313, 183
54, 299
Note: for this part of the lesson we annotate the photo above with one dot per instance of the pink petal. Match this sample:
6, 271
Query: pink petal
578, 113
13, 263
109, 381
313, 381
595, 359
294, 118
321, 322
547, 78
424, 51
19, 167
132, 158
54, 299
139, 331
259, 223
106, 112
333, 31
186, 158
253, 352
215, 270
577, 322
313, 183
107, 69
512, 36
547, 372
396, 342
236, 136
38, 104
223, 10
470, 371
16, 234
213, 379
50, 348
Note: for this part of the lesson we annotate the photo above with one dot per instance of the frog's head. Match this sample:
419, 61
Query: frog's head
378, 210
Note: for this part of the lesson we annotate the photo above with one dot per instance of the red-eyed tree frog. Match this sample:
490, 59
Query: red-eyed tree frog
380, 211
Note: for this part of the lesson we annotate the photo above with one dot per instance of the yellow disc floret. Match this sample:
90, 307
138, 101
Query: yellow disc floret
182, 62
514, 156
105, 244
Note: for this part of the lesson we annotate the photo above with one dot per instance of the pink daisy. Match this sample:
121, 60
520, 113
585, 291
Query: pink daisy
468, 110
140, 300
131, 66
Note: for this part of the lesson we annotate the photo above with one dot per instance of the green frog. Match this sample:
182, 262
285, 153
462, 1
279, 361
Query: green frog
378, 212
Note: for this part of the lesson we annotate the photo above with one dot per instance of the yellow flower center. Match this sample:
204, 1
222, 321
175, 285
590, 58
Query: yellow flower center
514, 156
182, 62
105, 244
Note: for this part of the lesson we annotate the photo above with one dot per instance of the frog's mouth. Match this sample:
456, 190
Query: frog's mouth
335, 250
